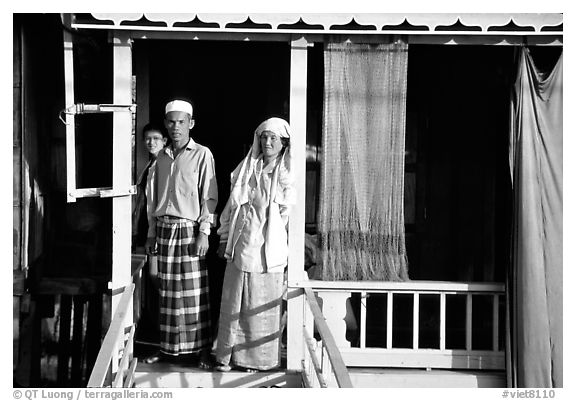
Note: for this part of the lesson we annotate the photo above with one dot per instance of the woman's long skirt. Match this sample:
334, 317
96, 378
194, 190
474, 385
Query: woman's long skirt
184, 292
249, 330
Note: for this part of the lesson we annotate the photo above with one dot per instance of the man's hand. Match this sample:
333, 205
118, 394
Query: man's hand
151, 246
222, 250
201, 244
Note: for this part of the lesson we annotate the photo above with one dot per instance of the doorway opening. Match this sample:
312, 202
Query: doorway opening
233, 86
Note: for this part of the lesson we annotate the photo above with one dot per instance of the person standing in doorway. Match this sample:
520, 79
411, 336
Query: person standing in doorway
182, 196
254, 240
155, 139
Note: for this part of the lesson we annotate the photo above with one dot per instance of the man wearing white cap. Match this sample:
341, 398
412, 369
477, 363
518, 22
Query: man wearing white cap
182, 196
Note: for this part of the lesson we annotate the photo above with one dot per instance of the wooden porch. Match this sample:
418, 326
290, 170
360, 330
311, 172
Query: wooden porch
329, 358
173, 376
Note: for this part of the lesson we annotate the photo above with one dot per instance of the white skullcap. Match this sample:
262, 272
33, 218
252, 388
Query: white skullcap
178, 105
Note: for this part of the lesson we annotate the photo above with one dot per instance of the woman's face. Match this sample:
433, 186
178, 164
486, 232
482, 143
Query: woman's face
154, 141
271, 144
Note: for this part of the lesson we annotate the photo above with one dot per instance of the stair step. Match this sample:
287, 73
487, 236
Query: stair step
166, 375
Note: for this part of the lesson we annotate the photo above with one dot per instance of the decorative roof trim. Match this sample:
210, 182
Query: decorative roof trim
419, 24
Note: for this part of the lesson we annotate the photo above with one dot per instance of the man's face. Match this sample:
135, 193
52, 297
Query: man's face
178, 125
154, 141
271, 144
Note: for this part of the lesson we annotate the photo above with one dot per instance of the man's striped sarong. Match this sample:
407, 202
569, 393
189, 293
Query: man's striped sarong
184, 293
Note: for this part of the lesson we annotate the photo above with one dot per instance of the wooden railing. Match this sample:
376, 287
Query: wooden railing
323, 365
408, 324
115, 364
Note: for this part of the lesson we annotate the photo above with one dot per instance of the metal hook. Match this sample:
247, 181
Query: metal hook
68, 110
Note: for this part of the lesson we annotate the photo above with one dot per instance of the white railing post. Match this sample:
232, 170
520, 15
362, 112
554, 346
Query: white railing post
298, 90
442, 320
416, 321
121, 170
389, 316
363, 301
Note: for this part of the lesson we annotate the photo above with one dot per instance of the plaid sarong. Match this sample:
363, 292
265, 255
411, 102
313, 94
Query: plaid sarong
184, 293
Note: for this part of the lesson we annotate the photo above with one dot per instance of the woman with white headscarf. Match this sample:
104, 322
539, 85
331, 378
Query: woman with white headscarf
254, 240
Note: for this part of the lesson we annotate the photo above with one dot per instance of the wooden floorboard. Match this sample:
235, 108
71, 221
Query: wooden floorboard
182, 376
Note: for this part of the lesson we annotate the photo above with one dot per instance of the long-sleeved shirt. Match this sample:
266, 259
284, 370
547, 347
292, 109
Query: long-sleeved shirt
183, 187
248, 230
139, 214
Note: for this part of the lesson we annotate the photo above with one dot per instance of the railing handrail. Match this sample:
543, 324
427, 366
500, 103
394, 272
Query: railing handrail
400, 286
113, 336
340, 370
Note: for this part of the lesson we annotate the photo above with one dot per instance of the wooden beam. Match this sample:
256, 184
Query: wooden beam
125, 362
142, 72
114, 335
298, 91
64, 340
469, 322
315, 363
78, 341
423, 358
416, 321
442, 321
363, 302
70, 125
431, 287
121, 168
389, 320
340, 371
495, 322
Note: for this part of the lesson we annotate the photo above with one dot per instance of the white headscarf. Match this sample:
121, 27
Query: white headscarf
282, 182
281, 193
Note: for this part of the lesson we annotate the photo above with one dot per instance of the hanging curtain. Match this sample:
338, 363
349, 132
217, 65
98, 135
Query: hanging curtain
535, 279
361, 216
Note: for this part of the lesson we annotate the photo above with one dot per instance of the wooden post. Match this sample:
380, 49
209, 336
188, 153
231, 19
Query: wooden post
495, 323
416, 321
121, 170
142, 66
363, 311
298, 84
468, 322
443, 321
70, 129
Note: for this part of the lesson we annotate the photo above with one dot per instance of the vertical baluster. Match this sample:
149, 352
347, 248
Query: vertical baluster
442, 321
363, 301
326, 366
416, 321
389, 311
114, 363
308, 321
495, 322
468, 322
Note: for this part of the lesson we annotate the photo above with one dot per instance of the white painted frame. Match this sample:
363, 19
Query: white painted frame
121, 170
298, 91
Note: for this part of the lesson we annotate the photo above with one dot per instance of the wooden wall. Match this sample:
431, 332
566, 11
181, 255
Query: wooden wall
60, 309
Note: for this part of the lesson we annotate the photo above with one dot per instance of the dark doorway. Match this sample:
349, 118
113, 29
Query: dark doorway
458, 189
234, 86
